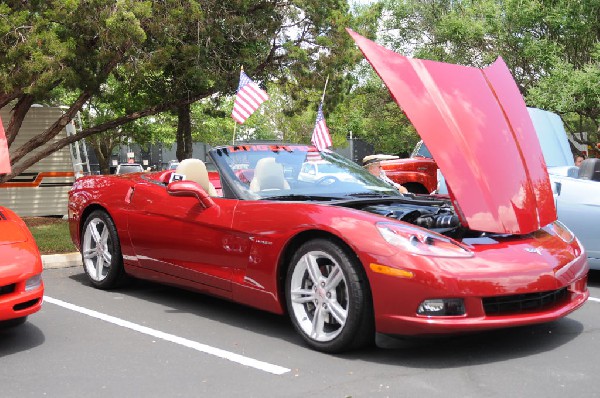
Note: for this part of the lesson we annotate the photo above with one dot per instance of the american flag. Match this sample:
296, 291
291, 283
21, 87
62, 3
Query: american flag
4, 156
320, 136
248, 98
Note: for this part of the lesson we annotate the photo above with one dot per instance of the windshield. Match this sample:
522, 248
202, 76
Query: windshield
289, 171
421, 150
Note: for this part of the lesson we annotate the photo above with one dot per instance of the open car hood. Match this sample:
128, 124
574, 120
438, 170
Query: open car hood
4, 156
477, 128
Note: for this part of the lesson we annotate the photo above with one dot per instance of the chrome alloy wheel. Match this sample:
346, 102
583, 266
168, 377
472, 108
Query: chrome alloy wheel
319, 295
97, 245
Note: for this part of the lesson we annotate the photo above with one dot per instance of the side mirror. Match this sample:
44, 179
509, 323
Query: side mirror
188, 188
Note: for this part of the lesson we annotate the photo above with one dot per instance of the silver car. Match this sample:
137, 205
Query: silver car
576, 189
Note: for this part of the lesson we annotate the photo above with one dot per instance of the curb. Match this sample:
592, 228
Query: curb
65, 260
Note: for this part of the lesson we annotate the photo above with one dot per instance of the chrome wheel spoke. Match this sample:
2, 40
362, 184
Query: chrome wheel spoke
104, 238
338, 312
99, 268
89, 253
313, 268
106, 257
335, 277
318, 323
302, 295
93, 228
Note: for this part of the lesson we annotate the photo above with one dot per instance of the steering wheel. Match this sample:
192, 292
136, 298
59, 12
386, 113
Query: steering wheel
327, 180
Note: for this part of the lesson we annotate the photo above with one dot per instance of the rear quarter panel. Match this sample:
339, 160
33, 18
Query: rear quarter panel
101, 192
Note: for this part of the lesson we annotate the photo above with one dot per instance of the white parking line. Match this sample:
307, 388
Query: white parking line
594, 299
230, 356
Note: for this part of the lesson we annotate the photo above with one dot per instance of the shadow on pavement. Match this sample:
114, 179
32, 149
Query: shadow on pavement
442, 352
19, 338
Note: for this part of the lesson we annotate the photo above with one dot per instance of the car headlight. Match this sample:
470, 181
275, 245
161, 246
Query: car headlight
33, 283
559, 229
420, 241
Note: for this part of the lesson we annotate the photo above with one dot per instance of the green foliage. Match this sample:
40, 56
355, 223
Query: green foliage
134, 58
550, 47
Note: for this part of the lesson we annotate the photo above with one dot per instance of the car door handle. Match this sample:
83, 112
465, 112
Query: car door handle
557, 188
129, 195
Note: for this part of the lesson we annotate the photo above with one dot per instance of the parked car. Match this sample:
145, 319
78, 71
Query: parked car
349, 258
21, 285
321, 170
172, 165
126, 168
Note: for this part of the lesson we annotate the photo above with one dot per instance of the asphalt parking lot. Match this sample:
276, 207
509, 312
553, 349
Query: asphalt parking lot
152, 340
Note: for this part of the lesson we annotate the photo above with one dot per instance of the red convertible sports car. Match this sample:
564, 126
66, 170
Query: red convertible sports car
346, 255
21, 286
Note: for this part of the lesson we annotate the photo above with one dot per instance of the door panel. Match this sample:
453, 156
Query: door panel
179, 237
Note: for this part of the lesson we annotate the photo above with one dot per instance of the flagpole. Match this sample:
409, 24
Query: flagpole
234, 122
324, 89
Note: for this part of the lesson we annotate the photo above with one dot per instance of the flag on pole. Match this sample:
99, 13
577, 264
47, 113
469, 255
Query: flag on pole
248, 98
4, 155
320, 136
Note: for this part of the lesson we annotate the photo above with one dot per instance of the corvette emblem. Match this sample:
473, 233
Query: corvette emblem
532, 250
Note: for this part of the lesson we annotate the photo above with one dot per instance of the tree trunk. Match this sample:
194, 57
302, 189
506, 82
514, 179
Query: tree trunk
103, 146
5, 99
19, 112
184, 133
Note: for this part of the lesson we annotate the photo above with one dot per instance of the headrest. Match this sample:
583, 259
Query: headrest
194, 170
269, 174
590, 169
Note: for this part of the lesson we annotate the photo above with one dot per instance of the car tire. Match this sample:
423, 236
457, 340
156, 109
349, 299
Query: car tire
101, 251
328, 297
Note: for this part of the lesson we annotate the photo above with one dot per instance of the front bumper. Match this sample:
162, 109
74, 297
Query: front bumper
19, 303
481, 284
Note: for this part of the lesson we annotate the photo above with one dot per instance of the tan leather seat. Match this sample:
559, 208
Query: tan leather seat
268, 176
195, 170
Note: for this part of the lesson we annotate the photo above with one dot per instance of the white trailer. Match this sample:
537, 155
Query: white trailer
42, 189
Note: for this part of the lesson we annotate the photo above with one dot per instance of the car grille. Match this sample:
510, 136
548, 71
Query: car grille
7, 289
518, 303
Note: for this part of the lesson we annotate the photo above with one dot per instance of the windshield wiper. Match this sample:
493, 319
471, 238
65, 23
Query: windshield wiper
301, 197
370, 194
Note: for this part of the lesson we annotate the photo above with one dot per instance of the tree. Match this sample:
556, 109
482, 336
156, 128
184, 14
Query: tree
551, 47
52, 47
161, 55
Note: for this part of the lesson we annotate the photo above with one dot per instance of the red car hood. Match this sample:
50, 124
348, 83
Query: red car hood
477, 128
